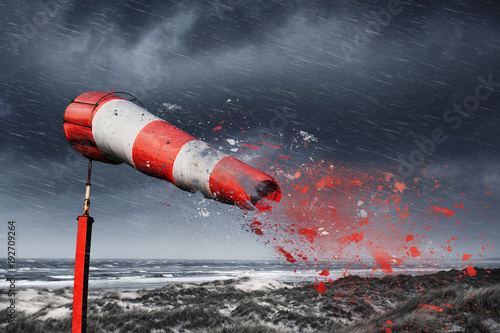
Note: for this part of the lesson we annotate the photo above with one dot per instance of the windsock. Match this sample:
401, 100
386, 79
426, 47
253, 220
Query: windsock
110, 129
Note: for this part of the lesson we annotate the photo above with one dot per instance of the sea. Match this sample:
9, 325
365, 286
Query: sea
134, 274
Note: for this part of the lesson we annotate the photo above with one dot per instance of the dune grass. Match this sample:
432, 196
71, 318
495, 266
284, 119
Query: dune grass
442, 302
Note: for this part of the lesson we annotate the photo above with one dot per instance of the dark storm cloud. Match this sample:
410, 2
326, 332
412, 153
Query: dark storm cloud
378, 89
368, 90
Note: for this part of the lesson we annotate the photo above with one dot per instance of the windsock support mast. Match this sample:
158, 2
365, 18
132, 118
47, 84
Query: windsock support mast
82, 261
87, 192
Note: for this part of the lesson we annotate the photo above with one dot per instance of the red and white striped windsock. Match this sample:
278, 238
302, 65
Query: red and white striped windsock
107, 128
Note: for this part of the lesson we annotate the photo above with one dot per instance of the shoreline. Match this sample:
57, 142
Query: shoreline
152, 274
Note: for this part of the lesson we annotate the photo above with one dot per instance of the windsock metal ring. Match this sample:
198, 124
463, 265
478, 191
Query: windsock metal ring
110, 129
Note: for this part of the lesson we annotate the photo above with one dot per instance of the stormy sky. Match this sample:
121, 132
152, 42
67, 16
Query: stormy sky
373, 81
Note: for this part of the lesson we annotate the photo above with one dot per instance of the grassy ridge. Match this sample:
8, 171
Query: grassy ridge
440, 302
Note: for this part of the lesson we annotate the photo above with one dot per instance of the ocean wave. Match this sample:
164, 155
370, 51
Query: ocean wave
63, 277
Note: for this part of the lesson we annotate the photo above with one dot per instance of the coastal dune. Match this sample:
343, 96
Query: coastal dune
446, 301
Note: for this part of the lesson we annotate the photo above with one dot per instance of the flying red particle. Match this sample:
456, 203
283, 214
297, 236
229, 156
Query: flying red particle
445, 211
466, 257
471, 271
383, 260
433, 307
321, 288
256, 228
414, 252
250, 146
354, 237
287, 255
325, 272
400, 187
309, 233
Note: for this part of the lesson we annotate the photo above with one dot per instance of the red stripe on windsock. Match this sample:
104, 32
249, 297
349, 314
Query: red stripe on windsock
78, 124
156, 147
95, 154
77, 134
79, 113
235, 182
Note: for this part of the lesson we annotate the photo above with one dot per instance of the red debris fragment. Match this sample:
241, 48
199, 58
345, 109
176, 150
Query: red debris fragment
321, 288
445, 211
433, 307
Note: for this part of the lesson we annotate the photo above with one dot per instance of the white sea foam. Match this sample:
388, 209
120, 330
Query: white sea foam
260, 284
64, 277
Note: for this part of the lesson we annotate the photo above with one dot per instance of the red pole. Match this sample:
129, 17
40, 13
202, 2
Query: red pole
82, 259
82, 274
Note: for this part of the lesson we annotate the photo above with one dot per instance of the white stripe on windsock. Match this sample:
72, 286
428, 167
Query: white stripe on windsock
116, 125
194, 164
